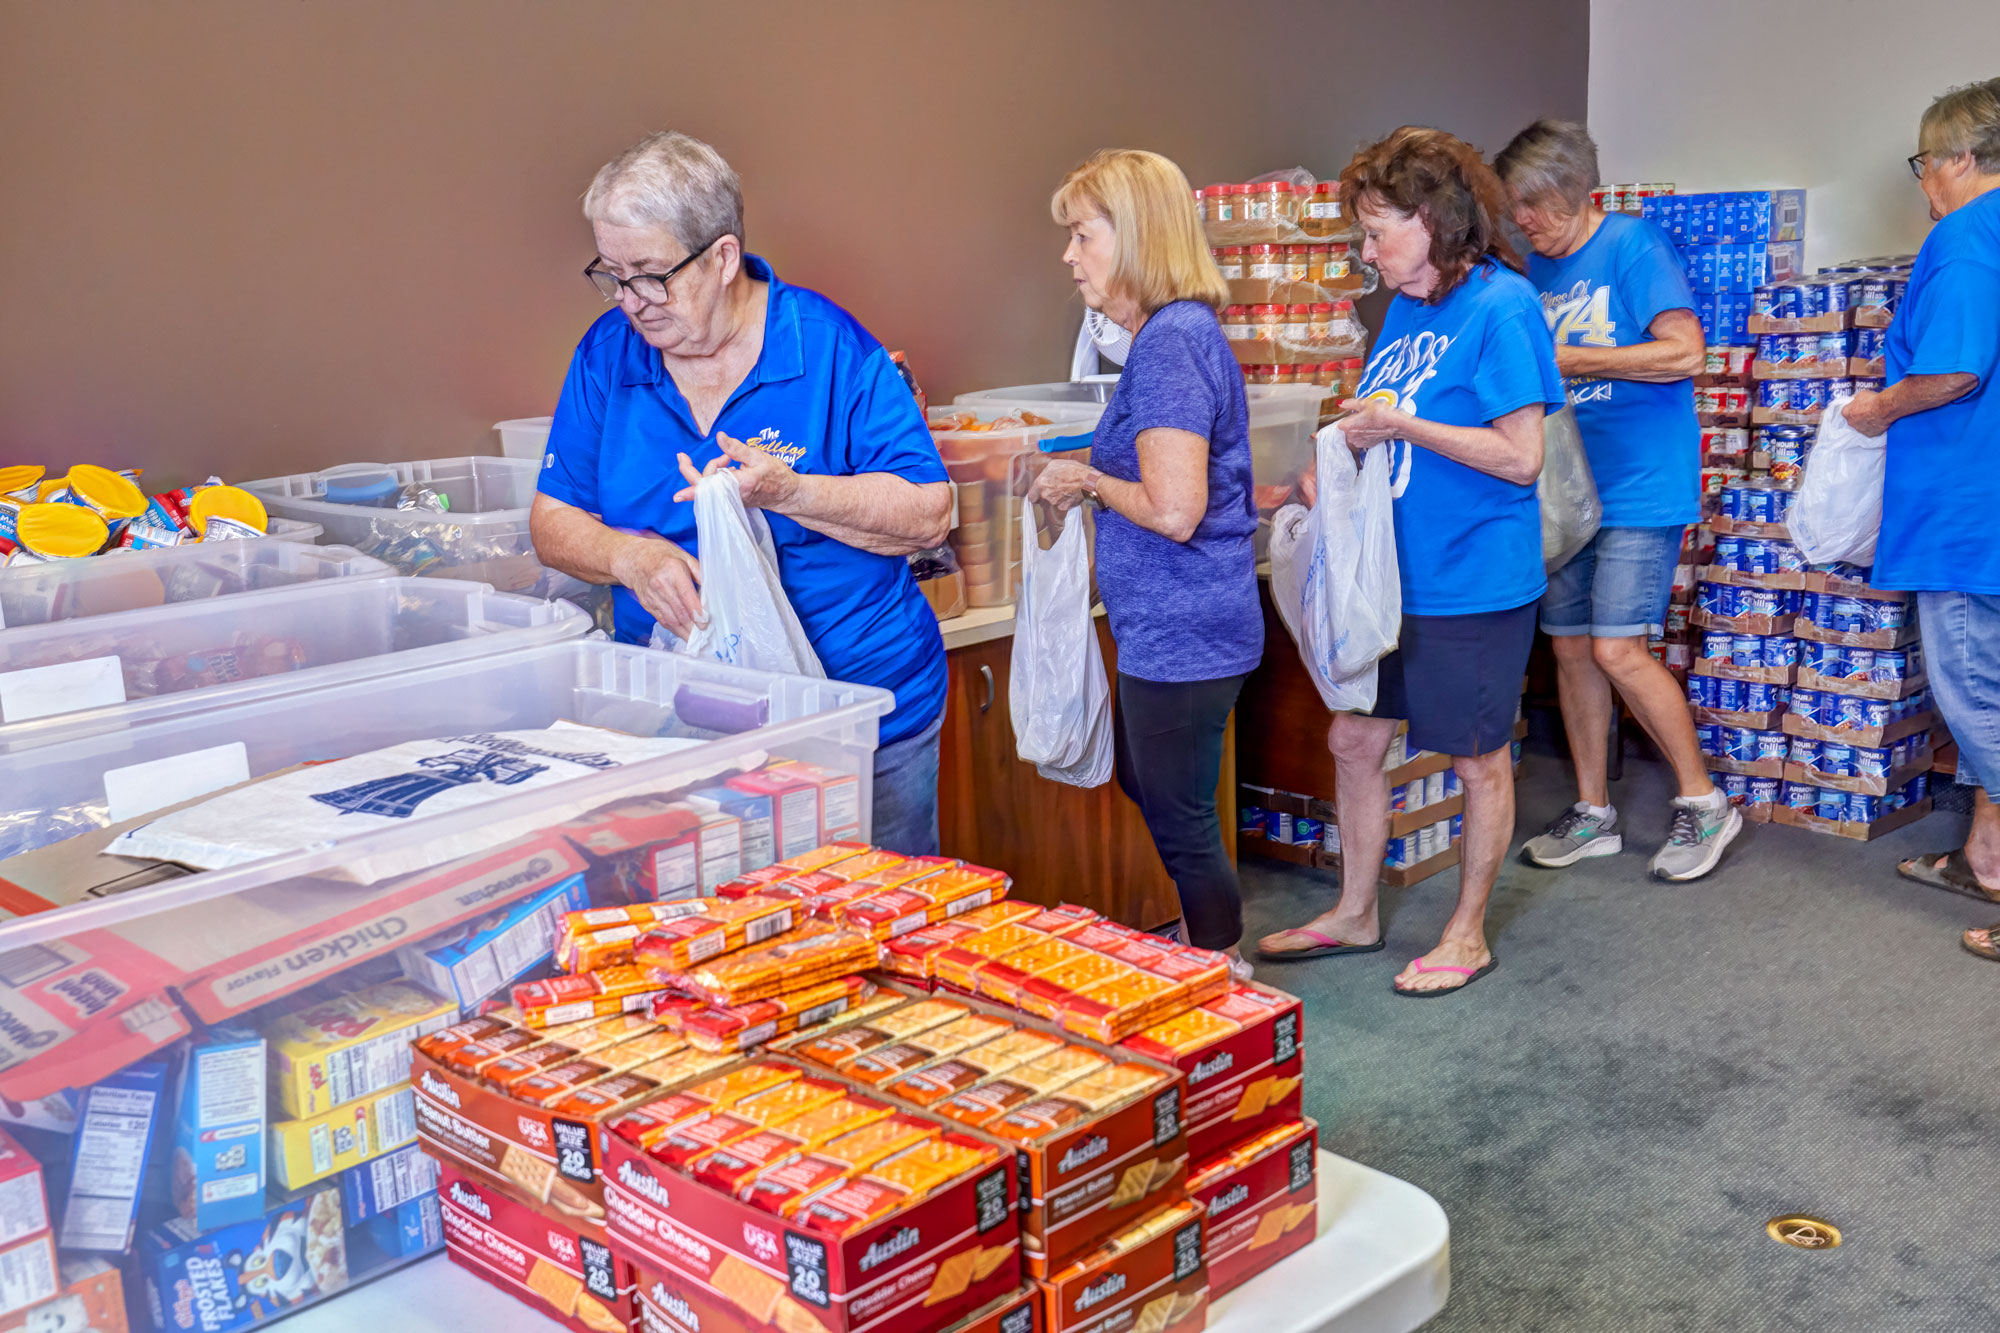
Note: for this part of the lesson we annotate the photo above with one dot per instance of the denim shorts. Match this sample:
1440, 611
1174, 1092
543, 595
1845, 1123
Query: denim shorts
1962, 653
1616, 586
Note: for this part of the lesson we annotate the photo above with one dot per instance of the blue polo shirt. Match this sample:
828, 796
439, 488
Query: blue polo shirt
1942, 485
825, 397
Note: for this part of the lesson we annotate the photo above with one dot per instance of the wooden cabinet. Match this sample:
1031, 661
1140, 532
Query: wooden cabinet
1060, 843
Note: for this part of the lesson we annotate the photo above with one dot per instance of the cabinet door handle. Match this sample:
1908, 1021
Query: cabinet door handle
986, 674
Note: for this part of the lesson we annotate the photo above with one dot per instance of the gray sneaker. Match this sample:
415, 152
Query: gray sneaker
1576, 834
1696, 841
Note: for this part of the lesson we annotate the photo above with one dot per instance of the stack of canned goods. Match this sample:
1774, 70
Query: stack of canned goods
1844, 806
1759, 555
1839, 614
1876, 666
1742, 745
1812, 395
1725, 694
1728, 360
1722, 400
1837, 759
1747, 791
1756, 501
1728, 441
1733, 603
1829, 350
1425, 843
1828, 708
1760, 651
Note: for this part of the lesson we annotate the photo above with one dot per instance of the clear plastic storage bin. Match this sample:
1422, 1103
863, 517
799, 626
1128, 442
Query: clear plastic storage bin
524, 437
985, 466
115, 969
483, 537
131, 580
68, 678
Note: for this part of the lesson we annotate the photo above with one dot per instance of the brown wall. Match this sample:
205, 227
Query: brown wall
256, 237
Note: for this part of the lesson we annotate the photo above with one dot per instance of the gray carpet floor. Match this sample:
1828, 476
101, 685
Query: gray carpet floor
1655, 1070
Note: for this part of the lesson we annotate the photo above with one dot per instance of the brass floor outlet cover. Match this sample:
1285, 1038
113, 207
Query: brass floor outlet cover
1803, 1232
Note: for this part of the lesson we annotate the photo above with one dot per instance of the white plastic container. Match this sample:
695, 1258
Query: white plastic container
73, 677
483, 537
1283, 420
132, 580
524, 437
162, 951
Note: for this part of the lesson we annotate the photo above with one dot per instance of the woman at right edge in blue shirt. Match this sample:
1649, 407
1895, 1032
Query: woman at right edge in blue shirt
1455, 390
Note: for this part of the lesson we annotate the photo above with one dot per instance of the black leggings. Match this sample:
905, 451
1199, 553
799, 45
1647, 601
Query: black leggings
1169, 759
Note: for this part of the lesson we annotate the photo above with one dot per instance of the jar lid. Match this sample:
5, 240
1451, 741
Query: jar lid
1232, 249
1352, 363
1266, 309
1323, 308
1343, 305
1327, 187
1265, 249
1318, 247
1298, 310
1302, 249
1237, 189
1227, 311
1331, 365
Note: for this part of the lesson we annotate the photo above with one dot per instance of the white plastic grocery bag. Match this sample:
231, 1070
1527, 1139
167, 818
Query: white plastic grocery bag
1058, 697
1571, 509
1837, 513
750, 622
1334, 576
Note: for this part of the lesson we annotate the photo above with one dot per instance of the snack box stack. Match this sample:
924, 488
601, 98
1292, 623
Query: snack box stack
1731, 243
777, 1192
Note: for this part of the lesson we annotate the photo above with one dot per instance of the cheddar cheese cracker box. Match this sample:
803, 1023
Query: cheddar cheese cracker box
1150, 1277
542, 1261
335, 1049
1242, 1057
1260, 1200
871, 1255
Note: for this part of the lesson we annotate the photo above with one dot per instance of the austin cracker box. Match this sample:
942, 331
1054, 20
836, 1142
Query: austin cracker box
1149, 1278
1261, 1203
1241, 1055
540, 1260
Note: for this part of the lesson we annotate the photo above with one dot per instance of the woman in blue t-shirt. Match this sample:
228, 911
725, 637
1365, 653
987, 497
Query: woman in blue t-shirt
1460, 377
1627, 340
1176, 556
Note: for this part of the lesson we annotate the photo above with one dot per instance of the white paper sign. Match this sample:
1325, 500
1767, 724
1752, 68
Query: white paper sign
63, 688
139, 789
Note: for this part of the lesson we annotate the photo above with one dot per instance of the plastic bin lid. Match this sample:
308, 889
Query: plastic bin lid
359, 484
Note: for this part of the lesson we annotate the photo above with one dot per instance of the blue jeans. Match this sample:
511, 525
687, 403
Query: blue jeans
1961, 634
1614, 587
906, 793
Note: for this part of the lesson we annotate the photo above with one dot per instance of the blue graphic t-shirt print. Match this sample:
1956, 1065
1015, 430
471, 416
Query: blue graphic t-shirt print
485, 758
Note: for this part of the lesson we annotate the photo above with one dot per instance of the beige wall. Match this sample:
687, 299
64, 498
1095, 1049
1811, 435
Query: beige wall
1722, 95
255, 237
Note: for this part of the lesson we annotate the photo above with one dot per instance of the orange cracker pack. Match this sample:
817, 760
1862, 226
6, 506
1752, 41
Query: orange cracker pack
1150, 1277
1242, 1057
811, 955
725, 1028
724, 924
1261, 1202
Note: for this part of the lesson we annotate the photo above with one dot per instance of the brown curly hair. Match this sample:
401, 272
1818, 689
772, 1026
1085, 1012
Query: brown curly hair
1443, 179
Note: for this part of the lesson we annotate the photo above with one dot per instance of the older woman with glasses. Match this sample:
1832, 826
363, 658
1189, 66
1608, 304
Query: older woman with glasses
712, 362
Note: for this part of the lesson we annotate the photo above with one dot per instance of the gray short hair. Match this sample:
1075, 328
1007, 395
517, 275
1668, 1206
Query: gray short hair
1550, 160
1965, 120
669, 180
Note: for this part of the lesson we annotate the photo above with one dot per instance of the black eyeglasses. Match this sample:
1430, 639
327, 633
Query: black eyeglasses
1916, 161
650, 288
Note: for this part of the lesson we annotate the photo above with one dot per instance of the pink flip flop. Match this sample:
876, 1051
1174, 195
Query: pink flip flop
1469, 974
1328, 947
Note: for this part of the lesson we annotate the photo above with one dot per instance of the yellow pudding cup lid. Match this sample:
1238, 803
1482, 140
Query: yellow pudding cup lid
20, 476
61, 531
226, 502
109, 493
